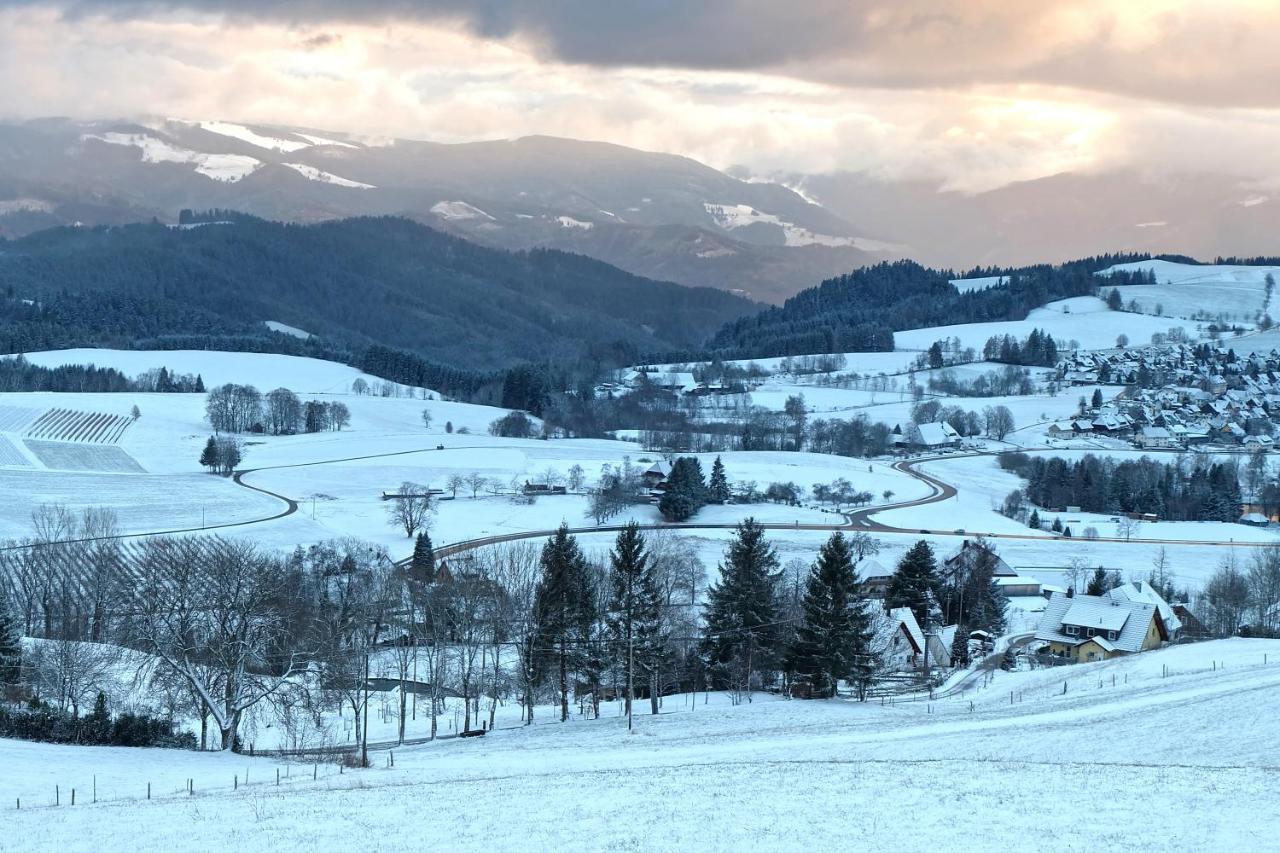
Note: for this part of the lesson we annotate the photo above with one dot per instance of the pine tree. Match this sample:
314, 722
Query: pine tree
984, 599
834, 639
199, 389
1099, 582
742, 614
422, 565
10, 646
563, 613
913, 581
97, 726
209, 456
1034, 521
718, 490
634, 623
686, 491
960, 647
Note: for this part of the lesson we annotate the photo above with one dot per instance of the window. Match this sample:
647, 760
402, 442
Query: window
1091, 632
1071, 630
1113, 635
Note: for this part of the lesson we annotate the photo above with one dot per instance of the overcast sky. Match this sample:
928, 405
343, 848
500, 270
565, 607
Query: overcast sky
979, 92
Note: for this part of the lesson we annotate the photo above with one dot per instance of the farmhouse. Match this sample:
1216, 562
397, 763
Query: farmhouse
901, 642
941, 434
962, 560
1094, 627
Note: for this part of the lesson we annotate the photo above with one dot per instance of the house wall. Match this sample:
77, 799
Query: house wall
1082, 652
1152, 638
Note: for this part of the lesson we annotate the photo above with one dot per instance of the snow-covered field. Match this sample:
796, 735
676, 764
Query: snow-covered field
1184, 762
1084, 319
1189, 290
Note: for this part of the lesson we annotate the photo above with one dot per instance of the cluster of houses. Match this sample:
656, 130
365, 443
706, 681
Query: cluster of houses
1072, 627
680, 383
1178, 397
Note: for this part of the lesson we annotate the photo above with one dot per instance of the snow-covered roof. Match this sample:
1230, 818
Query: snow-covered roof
1090, 612
1130, 618
901, 619
872, 569
1143, 592
932, 435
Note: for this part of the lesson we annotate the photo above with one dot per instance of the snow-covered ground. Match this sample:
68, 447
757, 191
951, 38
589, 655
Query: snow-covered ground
1187, 290
266, 371
227, 168
1184, 760
1084, 319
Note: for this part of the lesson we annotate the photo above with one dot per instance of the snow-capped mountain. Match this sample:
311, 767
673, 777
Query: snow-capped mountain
658, 215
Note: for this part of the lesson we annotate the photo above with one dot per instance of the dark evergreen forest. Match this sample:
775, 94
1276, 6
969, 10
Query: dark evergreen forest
353, 283
860, 311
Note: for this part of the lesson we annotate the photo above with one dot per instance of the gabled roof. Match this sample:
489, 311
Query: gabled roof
939, 433
1090, 612
1143, 592
903, 620
1097, 611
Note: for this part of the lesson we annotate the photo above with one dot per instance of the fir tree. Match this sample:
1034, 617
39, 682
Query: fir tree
960, 647
834, 639
686, 491
1034, 522
10, 646
209, 456
914, 580
1099, 582
742, 615
718, 490
984, 600
634, 623
562, 612
422, 565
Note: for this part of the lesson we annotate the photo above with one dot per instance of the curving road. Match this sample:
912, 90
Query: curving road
859, 520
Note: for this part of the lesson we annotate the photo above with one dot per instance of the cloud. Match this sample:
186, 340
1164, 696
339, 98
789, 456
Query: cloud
976, 94
319, 41
1176, 51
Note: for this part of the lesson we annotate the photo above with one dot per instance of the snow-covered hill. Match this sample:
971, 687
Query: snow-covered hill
657, 215
1210, 291
1180, 740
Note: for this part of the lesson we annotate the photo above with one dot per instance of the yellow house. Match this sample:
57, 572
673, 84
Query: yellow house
1092, 627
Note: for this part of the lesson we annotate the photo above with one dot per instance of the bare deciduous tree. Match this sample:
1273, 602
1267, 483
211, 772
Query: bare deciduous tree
411, 507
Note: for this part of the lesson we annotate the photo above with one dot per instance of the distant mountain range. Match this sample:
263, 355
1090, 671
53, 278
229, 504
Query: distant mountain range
655, 215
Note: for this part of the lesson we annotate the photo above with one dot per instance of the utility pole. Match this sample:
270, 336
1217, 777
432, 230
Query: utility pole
631, 671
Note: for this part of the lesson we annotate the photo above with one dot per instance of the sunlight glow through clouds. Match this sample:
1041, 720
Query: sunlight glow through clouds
978, 95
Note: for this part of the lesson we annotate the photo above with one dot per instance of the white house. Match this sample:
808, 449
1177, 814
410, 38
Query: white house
901, 643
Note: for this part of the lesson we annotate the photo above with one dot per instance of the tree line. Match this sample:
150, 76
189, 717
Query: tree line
18, 374
1193, 488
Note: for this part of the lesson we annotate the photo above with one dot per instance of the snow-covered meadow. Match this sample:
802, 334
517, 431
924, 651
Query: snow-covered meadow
1003, 763
1238, 293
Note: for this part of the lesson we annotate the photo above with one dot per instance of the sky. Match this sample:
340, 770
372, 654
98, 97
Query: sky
977, 94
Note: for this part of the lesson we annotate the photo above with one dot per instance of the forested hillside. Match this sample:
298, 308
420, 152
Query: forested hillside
861, 311
352, 283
